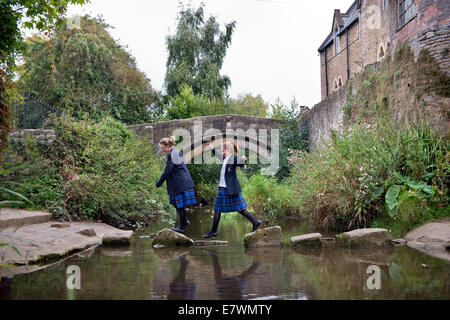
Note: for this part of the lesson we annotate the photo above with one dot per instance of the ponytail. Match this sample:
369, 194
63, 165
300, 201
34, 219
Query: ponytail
232, 147
236, 148
168, 141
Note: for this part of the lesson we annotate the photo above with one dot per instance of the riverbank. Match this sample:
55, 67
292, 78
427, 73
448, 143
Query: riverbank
33, 239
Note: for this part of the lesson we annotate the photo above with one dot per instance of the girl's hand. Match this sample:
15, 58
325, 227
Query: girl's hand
244, 158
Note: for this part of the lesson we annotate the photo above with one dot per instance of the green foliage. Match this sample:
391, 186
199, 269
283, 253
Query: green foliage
367, 172
293, 135
195, 54
4, 112
83, 71
28, 14
91, 171
186, 105
267, 197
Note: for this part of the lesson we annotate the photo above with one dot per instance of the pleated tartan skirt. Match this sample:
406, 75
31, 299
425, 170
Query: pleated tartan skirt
227, 203
183, 199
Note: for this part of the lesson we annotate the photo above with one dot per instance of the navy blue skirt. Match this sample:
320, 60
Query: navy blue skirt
183, 199
227, 203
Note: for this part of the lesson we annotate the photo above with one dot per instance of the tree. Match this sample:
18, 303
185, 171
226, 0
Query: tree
39, 14
196, 54
84, 71
250, 105
293, 134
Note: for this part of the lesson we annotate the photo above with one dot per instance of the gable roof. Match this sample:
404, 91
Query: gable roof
343, 21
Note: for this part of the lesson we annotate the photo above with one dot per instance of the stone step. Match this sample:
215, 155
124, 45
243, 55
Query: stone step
45, 242
13, 218
267, 237
201, 243
308, 240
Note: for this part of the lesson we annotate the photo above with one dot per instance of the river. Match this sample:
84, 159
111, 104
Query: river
234, 272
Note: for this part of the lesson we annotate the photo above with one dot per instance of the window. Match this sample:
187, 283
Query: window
340, 82
380, 53
335, 85
406, 11
385, 4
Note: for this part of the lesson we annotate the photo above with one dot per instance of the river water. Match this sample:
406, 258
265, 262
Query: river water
234, 272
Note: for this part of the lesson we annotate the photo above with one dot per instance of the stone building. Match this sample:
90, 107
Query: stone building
369, 29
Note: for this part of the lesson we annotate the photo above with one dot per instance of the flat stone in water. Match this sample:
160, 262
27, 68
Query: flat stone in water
210, 243
367, 237
310, 240
267, 237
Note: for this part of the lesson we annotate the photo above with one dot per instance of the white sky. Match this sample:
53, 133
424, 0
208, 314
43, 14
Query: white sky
274, 45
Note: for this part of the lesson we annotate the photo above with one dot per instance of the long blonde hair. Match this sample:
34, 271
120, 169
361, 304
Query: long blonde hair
170, 141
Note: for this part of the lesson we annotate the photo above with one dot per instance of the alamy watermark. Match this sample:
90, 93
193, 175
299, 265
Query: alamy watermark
374, 280
73, 281
193, 144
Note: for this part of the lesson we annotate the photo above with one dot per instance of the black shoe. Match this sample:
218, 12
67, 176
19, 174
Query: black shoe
178, 229
210, 235
256, 225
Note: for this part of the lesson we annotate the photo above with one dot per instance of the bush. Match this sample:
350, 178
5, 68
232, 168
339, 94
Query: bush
265, 196
364, 172
92, 171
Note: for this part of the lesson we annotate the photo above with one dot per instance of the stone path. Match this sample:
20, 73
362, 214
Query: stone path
31, 241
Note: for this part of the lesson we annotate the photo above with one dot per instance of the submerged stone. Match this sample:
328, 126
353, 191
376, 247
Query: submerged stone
200, 243
267, 237
167, 237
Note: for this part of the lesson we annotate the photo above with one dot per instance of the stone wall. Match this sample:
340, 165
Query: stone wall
154, 132
42, 136
325, 116
430, 29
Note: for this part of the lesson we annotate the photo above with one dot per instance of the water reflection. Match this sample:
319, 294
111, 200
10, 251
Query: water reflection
231, 287
180, 289
5, 288
234, 272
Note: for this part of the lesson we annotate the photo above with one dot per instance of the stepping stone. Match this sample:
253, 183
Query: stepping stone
310, 240
400, 241
117, 238
267, 237
10, 218
167, 237
368, 237
200, 243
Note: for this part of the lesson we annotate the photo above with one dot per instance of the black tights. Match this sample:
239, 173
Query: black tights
244, 212
182, 216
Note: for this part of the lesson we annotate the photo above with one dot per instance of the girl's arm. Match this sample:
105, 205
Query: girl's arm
167, 170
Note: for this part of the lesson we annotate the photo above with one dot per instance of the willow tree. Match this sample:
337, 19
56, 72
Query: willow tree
196, 53
82, 70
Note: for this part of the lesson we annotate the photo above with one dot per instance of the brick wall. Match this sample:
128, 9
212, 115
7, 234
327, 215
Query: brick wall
337, 63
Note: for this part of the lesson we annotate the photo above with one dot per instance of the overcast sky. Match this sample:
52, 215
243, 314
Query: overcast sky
274, 45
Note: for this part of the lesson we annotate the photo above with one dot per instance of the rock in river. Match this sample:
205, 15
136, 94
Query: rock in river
310, 240
167, 237
368, 237
267, 237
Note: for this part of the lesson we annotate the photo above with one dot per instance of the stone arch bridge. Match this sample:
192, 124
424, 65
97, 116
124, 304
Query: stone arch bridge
258, 135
